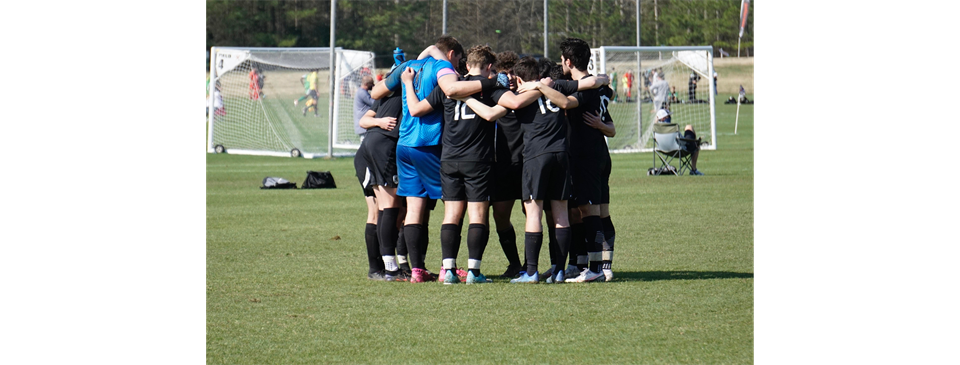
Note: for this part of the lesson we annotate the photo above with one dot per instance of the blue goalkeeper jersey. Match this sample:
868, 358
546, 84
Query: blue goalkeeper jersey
425, 130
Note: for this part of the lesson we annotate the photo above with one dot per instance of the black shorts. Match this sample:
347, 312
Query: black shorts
591, 180
363, 172
380, 155
466, 180
689, 146
507, 184
547, 177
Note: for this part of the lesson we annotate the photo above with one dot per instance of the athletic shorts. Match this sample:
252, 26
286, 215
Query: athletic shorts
380, 154
547, 177
689, 146
364, 174
418, 169
466, 180
591, 180
507, 183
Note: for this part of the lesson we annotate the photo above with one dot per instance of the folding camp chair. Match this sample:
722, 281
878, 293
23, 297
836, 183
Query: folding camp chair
669, 144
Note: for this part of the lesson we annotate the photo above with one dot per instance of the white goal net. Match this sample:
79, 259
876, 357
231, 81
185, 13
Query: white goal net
687, 70
251, 106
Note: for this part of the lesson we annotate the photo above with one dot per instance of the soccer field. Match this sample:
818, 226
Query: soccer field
286, 274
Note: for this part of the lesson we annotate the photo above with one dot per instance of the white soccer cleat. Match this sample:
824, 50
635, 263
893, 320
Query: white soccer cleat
295, 102
586, 276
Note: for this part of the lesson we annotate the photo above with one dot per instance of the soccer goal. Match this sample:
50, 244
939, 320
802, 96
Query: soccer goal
688, 70
251, 104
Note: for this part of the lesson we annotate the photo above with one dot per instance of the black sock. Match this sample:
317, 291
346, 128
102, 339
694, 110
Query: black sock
593, 231
424, 242
610, 235
563, 245
508, 242
413, 233
531, 248
373, 248
449, 241
553, 247
477, 237
388, 231
576, 243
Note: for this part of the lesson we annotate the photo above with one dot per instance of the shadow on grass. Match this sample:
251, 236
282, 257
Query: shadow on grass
678, 275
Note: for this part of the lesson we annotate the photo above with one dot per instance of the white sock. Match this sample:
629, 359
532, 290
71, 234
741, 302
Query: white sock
449, 264
473, 264
390, 263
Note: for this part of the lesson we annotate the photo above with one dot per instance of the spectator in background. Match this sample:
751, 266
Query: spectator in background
664, 116
660, 90
361, 103
256, 83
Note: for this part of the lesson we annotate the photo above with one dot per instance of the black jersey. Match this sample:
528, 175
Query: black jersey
390, 106
586, 141
466, 136
509, 141
544, 124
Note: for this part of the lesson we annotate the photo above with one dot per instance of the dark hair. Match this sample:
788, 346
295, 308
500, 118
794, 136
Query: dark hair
505, 61
526, 69
577, 51
556, 72
462, 66
544, 66
446, 43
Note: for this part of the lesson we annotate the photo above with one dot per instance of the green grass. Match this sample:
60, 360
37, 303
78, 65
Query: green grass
286, 275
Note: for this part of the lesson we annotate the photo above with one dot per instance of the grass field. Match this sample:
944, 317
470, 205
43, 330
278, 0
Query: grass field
286, 274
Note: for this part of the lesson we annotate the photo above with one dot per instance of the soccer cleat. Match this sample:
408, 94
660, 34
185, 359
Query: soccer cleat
377, 276
461, 274
418, 276
481, 279
572, 272
696, 173
449, 277
429, 276
304, 111
608, 274
512, 272
526, 279
398, 276
559, 277
547, 274
586, 276
295, 102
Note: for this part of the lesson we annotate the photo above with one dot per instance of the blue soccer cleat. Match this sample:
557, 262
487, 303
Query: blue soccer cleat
526, 279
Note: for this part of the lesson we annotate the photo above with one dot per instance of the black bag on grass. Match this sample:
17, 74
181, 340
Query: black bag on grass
319, 180
277, 183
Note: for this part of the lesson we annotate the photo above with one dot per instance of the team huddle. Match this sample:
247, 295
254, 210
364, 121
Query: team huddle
480, 130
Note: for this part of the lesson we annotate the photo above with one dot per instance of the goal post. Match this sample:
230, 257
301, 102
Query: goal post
253, 112
687, 69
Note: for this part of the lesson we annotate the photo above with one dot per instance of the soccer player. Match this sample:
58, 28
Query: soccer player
256, 83
590, 159
376, 271
507, 170
418, 147
465, 167
361, 103
380, 156
309, 82
545, 164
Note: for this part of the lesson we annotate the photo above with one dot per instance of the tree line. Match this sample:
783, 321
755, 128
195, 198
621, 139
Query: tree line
381, 25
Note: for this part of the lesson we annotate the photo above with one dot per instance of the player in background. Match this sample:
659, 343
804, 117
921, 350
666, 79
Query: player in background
256, 83
589, 158
309, 82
